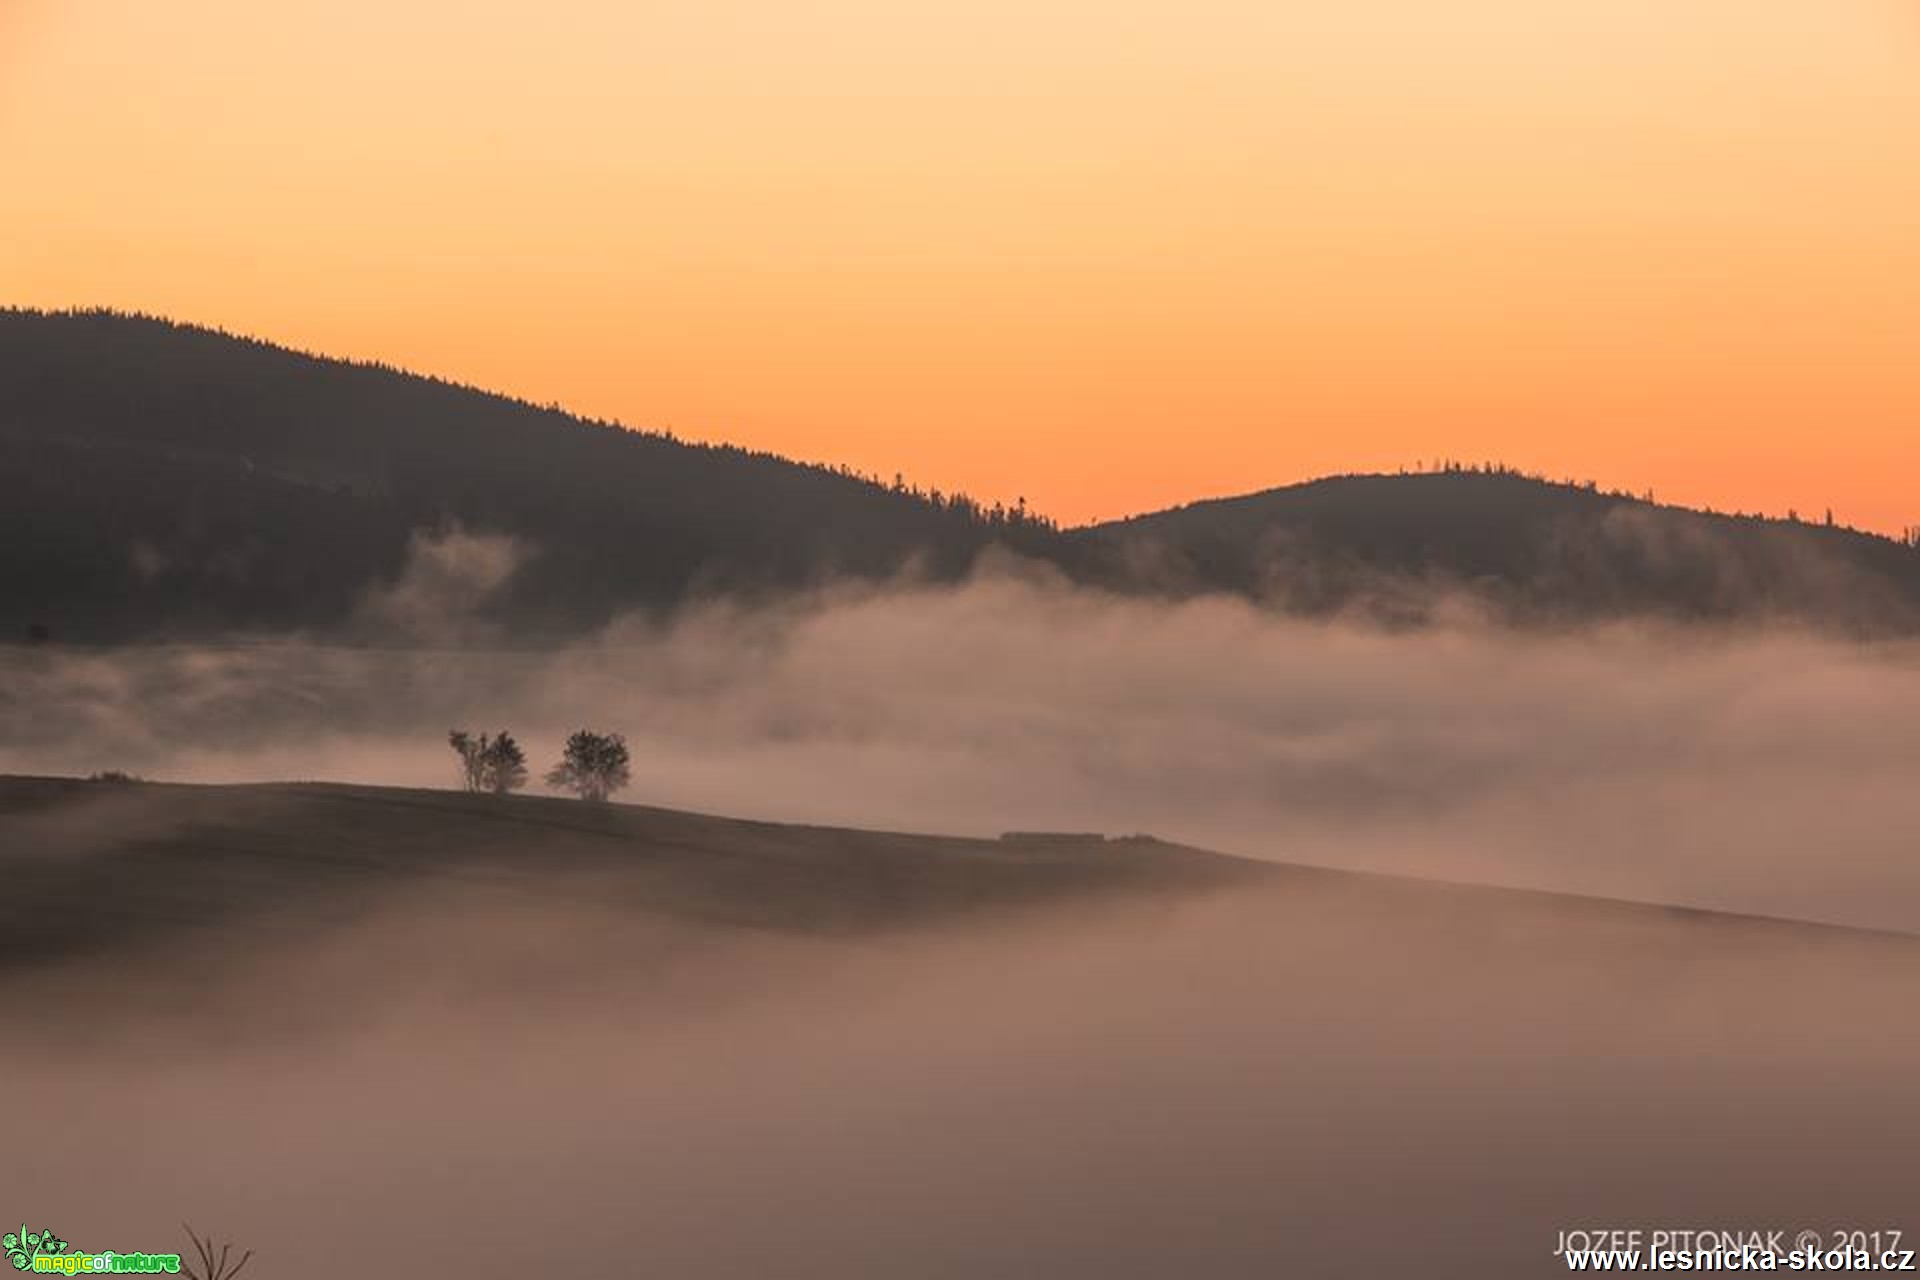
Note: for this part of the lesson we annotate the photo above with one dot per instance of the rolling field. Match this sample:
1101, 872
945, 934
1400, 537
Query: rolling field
528, 1033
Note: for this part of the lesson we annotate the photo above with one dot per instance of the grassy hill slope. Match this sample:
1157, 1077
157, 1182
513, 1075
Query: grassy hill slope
145, 862
141, 865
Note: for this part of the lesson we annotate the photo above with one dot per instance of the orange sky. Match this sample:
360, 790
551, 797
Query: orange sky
1106, 255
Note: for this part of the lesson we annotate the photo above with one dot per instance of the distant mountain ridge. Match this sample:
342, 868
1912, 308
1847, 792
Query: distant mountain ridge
158, 479
161, 481
1522, 548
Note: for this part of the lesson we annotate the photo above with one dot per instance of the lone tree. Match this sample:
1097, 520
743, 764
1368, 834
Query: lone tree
472, 753
506, 765
489, 764
593, 766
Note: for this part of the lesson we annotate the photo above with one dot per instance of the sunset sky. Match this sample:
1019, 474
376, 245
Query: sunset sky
1109, 256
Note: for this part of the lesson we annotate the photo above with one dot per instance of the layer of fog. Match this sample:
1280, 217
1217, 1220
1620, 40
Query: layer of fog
1324, 1080
1776, 773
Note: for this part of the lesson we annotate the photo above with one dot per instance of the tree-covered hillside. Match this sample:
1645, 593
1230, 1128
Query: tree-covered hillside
158, 479
162, 481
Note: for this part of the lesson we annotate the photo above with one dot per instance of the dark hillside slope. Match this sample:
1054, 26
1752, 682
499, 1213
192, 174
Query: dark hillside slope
159, 482
157, 479
1529, 549
121, 865
138, 869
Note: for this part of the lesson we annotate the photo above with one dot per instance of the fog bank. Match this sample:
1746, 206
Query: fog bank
1330, 1080
1767, 772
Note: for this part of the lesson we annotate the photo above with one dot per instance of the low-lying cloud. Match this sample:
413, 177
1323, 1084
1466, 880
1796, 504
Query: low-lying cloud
1765, 771
446, 582
1330, 1079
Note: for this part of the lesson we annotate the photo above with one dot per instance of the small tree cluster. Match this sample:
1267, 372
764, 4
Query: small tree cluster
593, 766
489, 764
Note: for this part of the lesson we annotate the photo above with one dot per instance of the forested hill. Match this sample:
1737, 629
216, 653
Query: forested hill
1403, 547
158, 479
